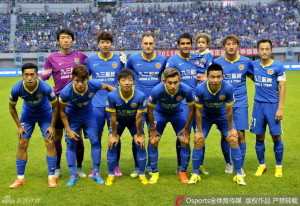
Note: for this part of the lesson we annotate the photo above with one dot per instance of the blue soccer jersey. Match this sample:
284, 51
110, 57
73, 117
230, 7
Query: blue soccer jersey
214, 103
36, 102
147, 73
106, 70
167, 103
187, 67
235, 72
79, 105
266, 81
204, 59
126, 109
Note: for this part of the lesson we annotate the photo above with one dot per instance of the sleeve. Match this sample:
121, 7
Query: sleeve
110, 105
63, 97
143, 104
189, 96
129, 63
229, 96
170, 63
97, 84
281, 77
88, 66
209, 60
84, 58
50, 94
47, 70
198, 97
250, 68
153, 97
13, 98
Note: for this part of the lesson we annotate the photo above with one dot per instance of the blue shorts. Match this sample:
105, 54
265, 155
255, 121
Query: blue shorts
101, 115
178, 121
220, 121
240, 118
186, 113
263, 114
88, 126
28, 122
130, 124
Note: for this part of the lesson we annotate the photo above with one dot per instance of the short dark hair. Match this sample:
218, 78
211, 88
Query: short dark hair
29, 66
125, 73
172, 72
65, 31
214, 67
80, 71
232, 38
185, 36
264, 41
103, 35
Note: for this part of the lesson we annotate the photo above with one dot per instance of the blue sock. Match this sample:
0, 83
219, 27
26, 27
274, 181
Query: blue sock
153, 157
118, 153
71, 157
243, 151
111, 159
236, 157
148, 156
278, 150
95, 153
51, 162
185, 154
260, 151
141, 158
134, 153
21, 164
178, 147
197, 157
226, 151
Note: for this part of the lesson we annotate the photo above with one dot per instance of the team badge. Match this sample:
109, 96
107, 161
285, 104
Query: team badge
179, 98
241, 67
134, 105
76, 60
91, 95
157, 65
114, 65
203, 60
39, 96
270, 71
222, 97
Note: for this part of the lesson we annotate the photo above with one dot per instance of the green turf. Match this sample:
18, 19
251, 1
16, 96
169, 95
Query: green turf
127, 191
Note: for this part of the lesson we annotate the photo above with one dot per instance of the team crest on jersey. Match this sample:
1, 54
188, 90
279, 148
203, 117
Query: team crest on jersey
39, 96
203, 60
91, 95
134, 105
76, 60
222, 97
157, 65
270, 71
179, 98
114, 65
241, 67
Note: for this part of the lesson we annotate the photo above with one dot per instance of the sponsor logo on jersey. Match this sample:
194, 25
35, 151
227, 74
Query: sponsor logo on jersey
157, 65
91, 95
222, 97
241, 67
134, 105
76, 60
270, 71
179, 98
114, 65
39, 96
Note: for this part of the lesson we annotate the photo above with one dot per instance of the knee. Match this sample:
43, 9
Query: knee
276, 138
260, 137
23, 144
232, 140
199, 144
241, 135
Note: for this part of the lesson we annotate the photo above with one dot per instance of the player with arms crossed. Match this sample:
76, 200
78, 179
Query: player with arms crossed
126, 106
37, 96
270, 88
165, 105
60, 65
148, 67
214, 99
105, 66
236, 68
